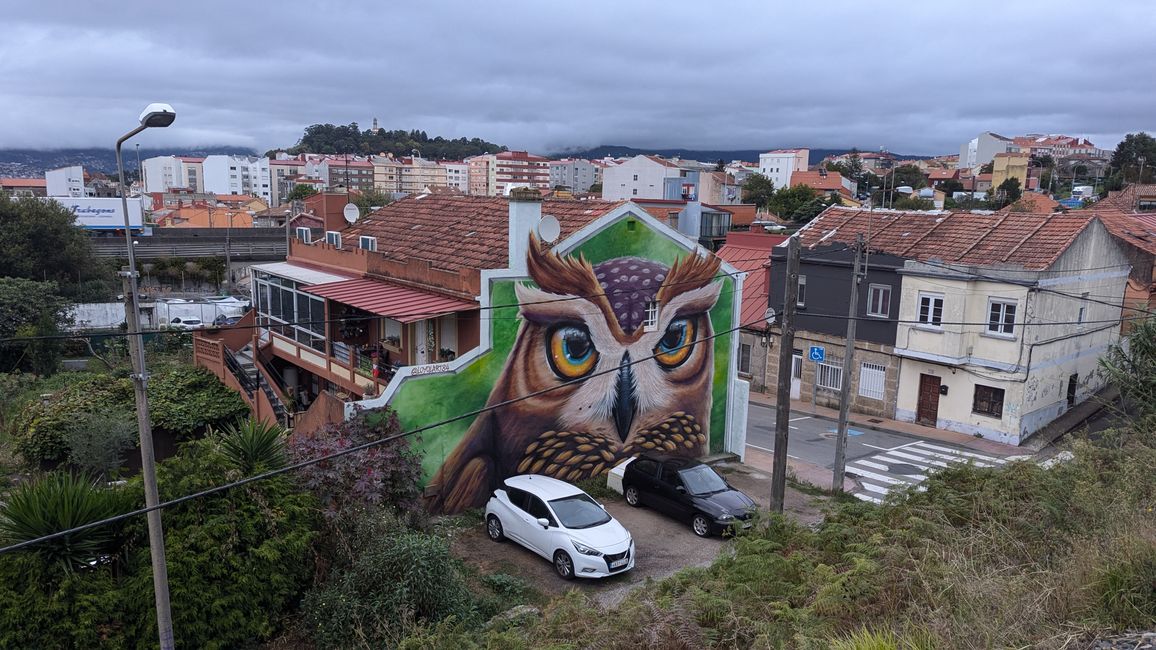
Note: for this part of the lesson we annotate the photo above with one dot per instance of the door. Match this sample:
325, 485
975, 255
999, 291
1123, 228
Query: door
538, 539
1073, 382
515, 516
796, 374
673, 501
928, 410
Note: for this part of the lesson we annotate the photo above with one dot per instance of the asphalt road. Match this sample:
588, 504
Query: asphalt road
812, 439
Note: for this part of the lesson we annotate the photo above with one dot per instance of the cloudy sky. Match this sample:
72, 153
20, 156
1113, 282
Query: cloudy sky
918, 78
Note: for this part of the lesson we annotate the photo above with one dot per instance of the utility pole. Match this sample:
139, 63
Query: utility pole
786, 362
845, 384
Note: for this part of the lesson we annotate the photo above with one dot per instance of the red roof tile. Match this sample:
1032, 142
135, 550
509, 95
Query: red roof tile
831, 182
751, 253
1018, 239
1032, 202
23, 182
457, 232
1139, 230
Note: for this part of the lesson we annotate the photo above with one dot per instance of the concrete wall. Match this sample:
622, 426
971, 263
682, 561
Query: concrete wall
619, 182
865, 351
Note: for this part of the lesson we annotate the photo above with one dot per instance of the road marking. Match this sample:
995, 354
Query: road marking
908, 456
769, 451
802, 418
963, 453
879, 477
866, 497
873, 465
892, 459
871, 487
953, 458
889, 448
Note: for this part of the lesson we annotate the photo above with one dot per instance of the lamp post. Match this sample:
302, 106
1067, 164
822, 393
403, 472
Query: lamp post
154, 116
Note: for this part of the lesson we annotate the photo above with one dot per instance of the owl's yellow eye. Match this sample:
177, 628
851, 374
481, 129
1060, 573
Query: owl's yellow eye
675, 346
571, 352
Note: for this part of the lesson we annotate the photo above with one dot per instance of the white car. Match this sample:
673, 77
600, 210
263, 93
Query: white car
186, 323
562, 524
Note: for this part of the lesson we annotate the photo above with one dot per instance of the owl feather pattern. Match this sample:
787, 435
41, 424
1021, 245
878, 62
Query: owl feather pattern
629, 358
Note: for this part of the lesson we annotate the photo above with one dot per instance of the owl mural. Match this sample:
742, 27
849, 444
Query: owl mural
621, 386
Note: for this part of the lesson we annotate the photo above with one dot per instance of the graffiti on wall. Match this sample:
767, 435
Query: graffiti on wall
617, 354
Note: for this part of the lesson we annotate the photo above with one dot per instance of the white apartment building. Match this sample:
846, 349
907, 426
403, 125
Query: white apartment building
982, 149
281, 171
66, 181
574, 174
164, 173
417, 174
779, 165
245, 175
641, 177
457, 174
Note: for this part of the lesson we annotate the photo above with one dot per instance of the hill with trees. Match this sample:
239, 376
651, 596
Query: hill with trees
351, 138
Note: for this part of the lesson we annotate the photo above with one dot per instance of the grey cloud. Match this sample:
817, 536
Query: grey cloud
546, 76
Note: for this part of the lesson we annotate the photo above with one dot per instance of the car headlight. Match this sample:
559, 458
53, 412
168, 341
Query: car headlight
726, 517
584, 549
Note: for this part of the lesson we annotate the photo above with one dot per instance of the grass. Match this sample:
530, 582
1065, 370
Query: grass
597, 488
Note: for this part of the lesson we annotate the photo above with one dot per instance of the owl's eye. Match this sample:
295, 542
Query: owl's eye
676, 344
572, 354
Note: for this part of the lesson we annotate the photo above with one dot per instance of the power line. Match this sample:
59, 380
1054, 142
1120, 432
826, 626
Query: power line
344, 452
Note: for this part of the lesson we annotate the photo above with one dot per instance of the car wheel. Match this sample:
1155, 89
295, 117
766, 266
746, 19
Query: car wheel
631, 494
564, 565
701, 525
494, 528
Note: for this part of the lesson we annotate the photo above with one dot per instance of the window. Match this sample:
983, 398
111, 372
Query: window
538, 510
879, 300
517, 497
744, 358
988, 401
1001, 317
1083, 310
830, 374
305, 235
872, 379
651, 322
646, 467
801, 299
333, 238
366, 242
636, 177
931, 309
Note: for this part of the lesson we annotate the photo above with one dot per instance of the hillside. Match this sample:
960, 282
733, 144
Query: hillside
32, 163
705, 155
350, 138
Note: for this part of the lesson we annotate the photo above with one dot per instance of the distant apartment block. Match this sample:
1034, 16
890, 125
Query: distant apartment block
66, 181
641, 177
497, 174
457, 174
574, 174
248, 175
981, 149
781, 164
386, 174
165, 173
283, 173
418, 174
349, 172
23, 187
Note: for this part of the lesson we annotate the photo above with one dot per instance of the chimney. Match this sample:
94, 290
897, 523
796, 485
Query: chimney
525, 213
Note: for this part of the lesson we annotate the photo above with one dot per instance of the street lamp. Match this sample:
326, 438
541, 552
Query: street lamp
154, 116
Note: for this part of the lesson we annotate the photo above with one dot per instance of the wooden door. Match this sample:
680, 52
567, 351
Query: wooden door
928, 410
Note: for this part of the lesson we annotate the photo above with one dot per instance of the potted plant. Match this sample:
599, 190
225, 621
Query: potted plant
446, 354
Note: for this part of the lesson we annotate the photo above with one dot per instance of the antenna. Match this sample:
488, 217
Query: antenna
549, 229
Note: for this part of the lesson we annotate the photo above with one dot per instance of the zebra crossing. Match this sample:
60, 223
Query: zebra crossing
908, 465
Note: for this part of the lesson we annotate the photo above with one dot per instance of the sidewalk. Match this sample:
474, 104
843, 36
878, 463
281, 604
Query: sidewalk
861, 421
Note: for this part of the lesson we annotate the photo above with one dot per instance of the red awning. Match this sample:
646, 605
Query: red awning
390, 300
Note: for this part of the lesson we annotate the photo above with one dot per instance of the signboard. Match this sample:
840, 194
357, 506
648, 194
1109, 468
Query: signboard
1071, 203
102, 213
817, 353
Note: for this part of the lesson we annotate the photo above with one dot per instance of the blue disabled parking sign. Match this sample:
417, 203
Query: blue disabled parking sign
817, 353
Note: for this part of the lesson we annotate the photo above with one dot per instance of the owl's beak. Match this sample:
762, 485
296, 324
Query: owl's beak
624, 399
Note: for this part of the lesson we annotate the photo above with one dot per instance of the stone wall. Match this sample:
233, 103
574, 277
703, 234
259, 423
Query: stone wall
864, 351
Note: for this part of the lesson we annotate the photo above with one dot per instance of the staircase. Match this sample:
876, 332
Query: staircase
244, 368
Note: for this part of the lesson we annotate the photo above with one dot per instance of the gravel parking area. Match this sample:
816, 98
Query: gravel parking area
663, 545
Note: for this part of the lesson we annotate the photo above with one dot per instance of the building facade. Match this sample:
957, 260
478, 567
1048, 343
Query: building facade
574, 174
417, 174
641, 177
457, 174
245, 175
781, 164
1009, 165
283, 174
981, 149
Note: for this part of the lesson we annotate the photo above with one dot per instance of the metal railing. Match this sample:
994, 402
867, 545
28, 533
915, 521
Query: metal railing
234, 366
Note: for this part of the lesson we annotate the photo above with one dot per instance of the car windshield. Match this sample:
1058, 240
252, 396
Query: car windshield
702, 480
579, 511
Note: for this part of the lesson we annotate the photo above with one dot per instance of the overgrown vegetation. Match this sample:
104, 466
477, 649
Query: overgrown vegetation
351, 138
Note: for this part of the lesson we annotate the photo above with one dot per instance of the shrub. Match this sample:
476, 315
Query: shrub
99, 442
57, 502
41, 428
254, 446
387, 474
186, 400
1126, 589
397, 580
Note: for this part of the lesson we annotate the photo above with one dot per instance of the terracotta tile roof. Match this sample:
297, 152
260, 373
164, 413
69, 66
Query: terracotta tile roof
1125, 199
751, 253
1016, 239
457, 232
943, 174
1032, 202
1138, 230
662, 161
23, 182
832, 182
743, 214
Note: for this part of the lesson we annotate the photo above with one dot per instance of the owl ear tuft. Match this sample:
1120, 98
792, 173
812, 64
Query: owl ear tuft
687, 274
565, 276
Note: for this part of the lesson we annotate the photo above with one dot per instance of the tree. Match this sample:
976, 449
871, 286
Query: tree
909, 175
39, 240
987, 168
1132, 368
350, 138
758, 189
914, 203
30, 309
798, 203
300, 192
1009, 191
596, 188
98, 443
720, 165
369, 200
1126, 157
951, 186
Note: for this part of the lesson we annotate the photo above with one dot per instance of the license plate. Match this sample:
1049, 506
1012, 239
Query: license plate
617, 563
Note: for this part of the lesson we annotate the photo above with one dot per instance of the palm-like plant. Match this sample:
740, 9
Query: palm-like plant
58, 502
254, 446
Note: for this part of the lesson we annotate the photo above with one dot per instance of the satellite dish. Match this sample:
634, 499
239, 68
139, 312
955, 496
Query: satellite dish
769, 316
549, 229
351, 212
